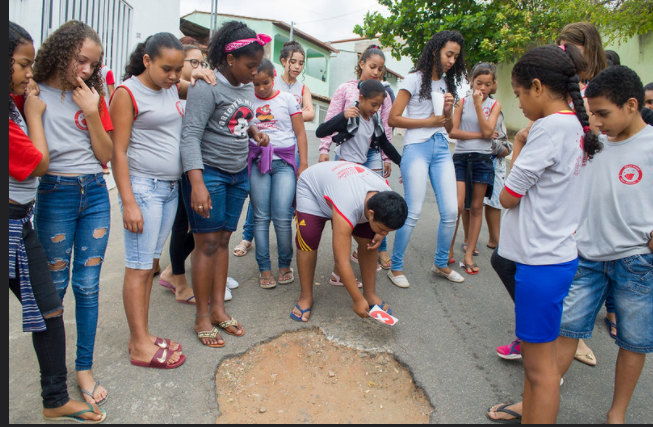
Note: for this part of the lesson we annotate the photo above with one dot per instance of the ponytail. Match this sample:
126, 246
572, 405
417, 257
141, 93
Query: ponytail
557, 67
152, 47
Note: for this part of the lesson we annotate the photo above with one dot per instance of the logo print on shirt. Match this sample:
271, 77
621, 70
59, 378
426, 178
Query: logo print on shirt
80, 120
239, 122
298, 99
630, 174
180, 109
264, 113
486, 111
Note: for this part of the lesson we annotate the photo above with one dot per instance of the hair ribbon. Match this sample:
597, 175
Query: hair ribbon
563, 47
261, 39
586, 129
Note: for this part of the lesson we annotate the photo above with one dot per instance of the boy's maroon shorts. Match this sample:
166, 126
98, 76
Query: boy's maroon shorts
310, 227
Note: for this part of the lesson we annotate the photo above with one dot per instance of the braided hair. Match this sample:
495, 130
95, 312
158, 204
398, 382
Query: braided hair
367, 54
431, 57
230, 32
17, 35
558, 70
152, 46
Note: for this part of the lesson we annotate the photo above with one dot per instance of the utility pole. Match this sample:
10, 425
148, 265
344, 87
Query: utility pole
292, 27
213, 24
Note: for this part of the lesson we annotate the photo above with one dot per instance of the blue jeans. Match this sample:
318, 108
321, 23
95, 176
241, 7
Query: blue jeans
158, 201
272, 195
248, 227
430, 159
72, 217
630, 282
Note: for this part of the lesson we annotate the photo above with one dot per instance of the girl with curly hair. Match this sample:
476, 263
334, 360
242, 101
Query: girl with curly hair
29, 277
440, 68
214, 148
73, 212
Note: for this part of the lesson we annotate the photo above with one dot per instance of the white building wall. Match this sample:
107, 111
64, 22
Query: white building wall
143, 18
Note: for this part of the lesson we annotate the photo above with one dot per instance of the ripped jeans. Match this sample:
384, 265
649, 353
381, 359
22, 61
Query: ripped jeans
72, 217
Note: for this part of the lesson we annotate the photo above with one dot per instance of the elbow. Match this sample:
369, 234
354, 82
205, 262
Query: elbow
309, 117
487, 134
392, 122
507, 201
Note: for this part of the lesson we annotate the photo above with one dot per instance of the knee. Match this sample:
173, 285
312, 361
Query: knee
54, 314
208, 246
223, 241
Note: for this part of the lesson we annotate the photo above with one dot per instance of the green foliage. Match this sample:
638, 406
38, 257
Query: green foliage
500, 30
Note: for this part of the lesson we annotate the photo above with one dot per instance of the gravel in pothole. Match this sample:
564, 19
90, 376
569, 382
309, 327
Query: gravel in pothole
302, 377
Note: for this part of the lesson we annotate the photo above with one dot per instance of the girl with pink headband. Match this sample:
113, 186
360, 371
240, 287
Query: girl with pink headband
214, 149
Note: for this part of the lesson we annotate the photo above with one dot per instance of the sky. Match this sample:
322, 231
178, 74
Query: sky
327, 21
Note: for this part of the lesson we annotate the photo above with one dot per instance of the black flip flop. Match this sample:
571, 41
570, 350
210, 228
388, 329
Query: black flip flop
502, 408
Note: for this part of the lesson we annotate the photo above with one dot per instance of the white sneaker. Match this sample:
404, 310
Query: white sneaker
227, 294
453, 276
231, 283
400, 281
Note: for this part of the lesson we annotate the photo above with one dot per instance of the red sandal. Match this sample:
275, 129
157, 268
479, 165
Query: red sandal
160, 360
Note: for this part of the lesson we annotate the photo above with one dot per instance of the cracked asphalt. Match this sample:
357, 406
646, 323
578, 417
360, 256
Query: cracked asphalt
446, 336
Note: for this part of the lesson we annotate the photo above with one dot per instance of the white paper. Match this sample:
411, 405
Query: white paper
438, 102
380, 315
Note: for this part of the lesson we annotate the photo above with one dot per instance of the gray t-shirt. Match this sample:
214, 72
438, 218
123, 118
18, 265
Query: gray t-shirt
469, 123
355, 149
154, 143
617, 205
344, 185
67, 133
546, 175
23, 191
416, 109
215, 125
296, 89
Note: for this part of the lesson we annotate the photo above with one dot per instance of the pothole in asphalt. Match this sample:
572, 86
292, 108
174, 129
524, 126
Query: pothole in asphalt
302, 377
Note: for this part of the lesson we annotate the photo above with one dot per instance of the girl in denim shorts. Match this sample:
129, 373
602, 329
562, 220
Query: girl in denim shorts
474, 121
148, 114
214, 150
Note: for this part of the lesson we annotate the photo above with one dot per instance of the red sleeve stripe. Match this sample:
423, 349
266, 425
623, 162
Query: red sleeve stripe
495, 103
131, 95
294, 114
512, 193
338, 210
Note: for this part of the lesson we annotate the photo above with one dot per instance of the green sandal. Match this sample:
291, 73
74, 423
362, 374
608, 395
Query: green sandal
76, 416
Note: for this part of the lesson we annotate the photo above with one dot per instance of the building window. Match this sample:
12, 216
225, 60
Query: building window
112, 19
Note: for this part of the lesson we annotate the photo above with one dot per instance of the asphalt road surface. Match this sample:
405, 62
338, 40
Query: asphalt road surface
446, 335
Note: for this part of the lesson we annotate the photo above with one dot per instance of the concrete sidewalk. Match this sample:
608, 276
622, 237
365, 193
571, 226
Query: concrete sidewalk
446, 336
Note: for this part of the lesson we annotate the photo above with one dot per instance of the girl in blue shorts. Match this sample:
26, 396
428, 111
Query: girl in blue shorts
214, 150
474, 121
541, 195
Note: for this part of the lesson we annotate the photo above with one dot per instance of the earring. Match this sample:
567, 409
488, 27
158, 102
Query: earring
231, 64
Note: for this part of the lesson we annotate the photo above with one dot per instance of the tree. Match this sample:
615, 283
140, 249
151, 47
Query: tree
500, 30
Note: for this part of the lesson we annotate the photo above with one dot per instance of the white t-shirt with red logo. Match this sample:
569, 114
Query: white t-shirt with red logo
343, 185
617, 205
67, 133
156, 131
274, 116
548, 177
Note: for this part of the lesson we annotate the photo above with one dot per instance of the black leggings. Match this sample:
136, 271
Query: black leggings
49, 345
182, 242
506, 270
